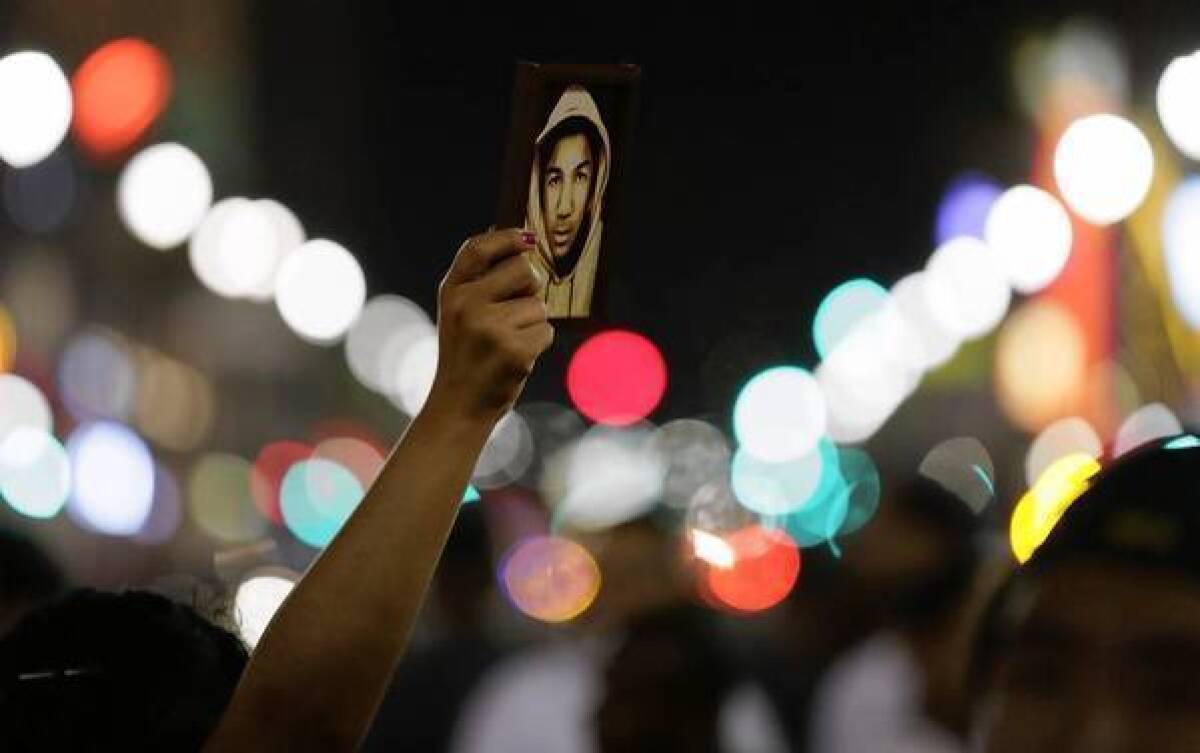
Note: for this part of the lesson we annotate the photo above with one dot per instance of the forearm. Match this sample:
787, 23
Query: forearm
327, 657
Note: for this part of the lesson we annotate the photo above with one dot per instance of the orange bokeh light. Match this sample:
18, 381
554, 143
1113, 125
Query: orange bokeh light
120, 90
765, 570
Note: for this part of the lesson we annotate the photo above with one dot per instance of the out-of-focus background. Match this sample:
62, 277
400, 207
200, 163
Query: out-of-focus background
880, 273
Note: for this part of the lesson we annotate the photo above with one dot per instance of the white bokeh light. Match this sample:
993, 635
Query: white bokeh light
507, 454
257, 599
923, 341
237, 250
113, 477
612, 476
35, 107
967, 291
163, 194
22, 404
414, 377
868, 375
1030, 233
320, 291
1178, 101
780, 414
1181, 247
1103, 165
1149, 422
1067, 436
379, 339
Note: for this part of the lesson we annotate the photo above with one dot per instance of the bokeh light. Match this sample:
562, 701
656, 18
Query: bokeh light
39, 290
843, 309
826, 514
1178, 105
316, 498
921, 339
39, 199
120, 90
22, 404
550, 578
36, 101
238, 249
163, 194
776, 488
166, 510
695, 452
507, 454
712, 549
266, 480
617, 377
113, 477
1078, 70
766, 566
1185, 442
611, 475
780, 414
175, 404
1030, 232
715, 509
1181, 247
35, 472
1147, 423
96, 376
1036, 513
967, 291
358, 456
868, 376
220, 499
1067, 436
962, 466
415, 374
964, 208
1103, 165
320, 291
553, 427
1040, 364
860, 478
381, 335
8, 340
258, 597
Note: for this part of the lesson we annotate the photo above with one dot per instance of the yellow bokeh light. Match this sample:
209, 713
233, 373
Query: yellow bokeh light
8, 340
1041, 364
1044, 504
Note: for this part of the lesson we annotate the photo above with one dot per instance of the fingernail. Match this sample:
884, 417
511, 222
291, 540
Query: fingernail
527, 238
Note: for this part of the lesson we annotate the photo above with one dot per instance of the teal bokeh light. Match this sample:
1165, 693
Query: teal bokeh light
317, 496
843, 309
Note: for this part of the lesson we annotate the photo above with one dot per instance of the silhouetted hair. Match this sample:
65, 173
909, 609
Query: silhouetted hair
103, 671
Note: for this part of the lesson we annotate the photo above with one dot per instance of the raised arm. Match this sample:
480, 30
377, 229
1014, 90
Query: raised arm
322, 666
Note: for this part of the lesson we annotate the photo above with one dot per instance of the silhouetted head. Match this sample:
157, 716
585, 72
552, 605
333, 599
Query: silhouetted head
105, 671
1095, 643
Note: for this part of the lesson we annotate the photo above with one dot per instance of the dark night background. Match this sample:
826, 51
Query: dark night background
778, 151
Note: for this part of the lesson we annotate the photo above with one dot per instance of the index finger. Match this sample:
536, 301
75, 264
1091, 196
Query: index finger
479, 254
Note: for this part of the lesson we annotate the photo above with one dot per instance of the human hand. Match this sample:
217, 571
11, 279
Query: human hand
492, 326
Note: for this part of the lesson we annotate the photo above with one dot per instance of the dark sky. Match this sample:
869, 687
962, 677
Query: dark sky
777, 153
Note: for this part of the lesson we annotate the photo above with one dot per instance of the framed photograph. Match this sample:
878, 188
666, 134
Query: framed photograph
565, 168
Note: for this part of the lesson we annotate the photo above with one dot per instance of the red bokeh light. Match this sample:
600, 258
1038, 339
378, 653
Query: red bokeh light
120, 90
270, 467
766, 569
617, 378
